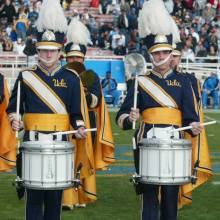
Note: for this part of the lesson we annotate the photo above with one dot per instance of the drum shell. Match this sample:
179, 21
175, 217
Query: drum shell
47, 165
165, 161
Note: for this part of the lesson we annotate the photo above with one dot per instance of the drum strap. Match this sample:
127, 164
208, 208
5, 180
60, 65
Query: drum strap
162, 115
46, 122
44, 92
156, 92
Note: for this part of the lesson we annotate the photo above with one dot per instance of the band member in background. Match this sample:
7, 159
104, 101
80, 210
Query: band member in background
109, 86
211, 88
7, 136
103, 144
51, 99
165, 99
200, 151
175, 64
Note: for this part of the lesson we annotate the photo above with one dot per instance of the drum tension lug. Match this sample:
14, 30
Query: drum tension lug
195, 172
54, 137
36, 136
135, 178
77, 182
18, 183
194, 179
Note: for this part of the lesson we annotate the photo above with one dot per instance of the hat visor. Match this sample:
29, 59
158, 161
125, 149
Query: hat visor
176, 53
160, 47
75, 54
48, 46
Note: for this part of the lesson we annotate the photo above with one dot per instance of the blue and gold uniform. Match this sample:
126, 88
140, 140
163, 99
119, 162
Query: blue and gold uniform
171, 92
163, 100
62, 84
48, 102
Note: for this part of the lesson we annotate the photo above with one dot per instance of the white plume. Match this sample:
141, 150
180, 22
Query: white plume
155, 19
51, 16
78, 33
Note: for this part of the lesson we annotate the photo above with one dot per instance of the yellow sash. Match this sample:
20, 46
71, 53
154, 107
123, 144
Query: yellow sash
46, 122
162, 115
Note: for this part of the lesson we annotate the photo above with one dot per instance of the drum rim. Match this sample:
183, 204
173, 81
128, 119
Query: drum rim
165, 141
47, 145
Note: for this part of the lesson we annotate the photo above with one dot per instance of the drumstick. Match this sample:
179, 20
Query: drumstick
72, 132
135, 99
18, 104
190, 127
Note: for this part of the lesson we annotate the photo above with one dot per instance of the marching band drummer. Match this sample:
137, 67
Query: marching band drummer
164, 100
50, 100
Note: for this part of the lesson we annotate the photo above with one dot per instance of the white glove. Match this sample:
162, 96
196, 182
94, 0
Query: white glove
81, 133
196, 128
134, 114
16, 124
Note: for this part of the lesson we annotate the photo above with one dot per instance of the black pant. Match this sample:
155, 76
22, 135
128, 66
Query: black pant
43, 204
167, 206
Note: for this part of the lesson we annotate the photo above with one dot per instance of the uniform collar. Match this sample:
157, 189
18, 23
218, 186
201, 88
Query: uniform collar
47, 72
163, 75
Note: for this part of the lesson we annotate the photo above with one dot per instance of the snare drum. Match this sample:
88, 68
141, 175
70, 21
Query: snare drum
47, 165
165, 161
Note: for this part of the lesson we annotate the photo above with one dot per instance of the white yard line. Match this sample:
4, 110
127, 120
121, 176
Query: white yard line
216, 182
210, 118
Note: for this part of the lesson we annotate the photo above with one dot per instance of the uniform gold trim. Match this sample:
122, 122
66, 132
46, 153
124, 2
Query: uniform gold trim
46, 72
121, 120
46, 122
163, 74
160, 115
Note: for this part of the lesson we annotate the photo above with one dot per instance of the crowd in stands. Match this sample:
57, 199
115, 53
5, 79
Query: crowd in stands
198, 21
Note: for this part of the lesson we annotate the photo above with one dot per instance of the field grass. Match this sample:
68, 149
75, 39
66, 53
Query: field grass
116, 197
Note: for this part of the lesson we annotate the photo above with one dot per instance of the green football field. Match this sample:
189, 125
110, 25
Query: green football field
116, 197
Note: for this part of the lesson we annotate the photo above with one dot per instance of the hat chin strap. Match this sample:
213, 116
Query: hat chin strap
161, 62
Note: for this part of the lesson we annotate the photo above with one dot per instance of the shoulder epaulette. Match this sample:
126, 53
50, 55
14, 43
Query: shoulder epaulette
90, 71
32, 68
72, 71
88, 77
76, 66
148, 72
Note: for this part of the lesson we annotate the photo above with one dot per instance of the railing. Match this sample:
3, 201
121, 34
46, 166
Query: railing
11, 64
